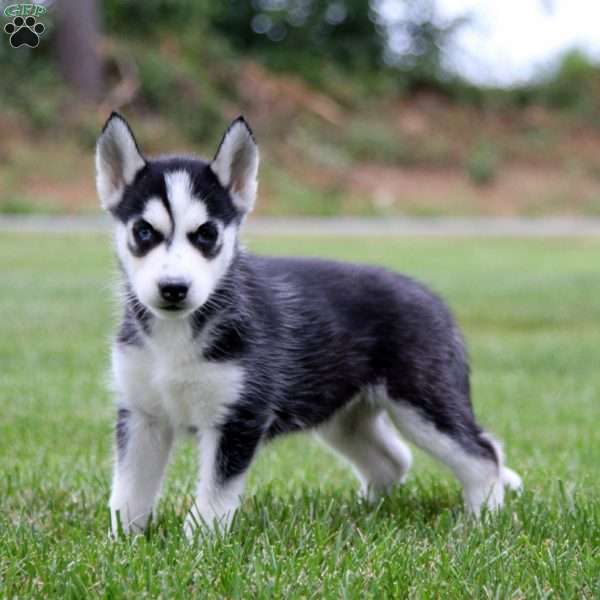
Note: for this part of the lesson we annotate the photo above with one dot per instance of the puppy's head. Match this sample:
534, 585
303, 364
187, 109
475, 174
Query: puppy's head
176, 218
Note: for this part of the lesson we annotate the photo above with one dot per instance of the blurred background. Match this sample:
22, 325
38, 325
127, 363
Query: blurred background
368, 108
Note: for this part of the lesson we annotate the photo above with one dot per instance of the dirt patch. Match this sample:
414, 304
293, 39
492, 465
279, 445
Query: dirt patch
517, 190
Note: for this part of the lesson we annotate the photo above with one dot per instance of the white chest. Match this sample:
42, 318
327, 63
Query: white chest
168, 378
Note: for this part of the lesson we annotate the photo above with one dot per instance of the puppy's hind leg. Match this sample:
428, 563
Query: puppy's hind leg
473, 455
362, 434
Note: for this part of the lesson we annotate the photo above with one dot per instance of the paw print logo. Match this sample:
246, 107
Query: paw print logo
24, 32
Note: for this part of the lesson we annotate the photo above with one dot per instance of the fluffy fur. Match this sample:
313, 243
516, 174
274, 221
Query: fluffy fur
238, 349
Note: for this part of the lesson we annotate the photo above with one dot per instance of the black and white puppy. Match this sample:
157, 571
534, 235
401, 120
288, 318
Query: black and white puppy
239, 348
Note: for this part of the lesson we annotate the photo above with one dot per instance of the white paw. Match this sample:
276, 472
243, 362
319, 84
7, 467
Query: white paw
372, 493
206, 522
512, 480
120, 522
489, 495
192, 526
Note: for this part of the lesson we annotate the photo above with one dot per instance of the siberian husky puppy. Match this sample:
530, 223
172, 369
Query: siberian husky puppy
238, 349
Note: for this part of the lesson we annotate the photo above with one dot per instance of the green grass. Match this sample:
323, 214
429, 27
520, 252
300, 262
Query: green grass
531, 314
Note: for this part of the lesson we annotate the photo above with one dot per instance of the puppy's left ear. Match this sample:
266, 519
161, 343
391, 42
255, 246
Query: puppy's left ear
236, 164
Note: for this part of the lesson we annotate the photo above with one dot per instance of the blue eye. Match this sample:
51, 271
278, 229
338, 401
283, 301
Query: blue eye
144, 233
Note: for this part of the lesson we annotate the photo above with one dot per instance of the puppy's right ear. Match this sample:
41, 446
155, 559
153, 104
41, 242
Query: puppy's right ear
118, 160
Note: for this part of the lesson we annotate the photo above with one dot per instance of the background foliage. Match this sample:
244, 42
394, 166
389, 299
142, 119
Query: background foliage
349, 121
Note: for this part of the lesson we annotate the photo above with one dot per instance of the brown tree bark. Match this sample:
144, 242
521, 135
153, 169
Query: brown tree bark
77, 47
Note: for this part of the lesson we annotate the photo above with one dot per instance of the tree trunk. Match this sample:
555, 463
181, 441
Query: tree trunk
77, 45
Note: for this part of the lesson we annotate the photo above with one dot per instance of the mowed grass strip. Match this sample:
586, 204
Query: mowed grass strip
530, 310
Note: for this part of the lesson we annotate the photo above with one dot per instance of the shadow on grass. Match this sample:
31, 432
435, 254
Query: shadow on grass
281, 516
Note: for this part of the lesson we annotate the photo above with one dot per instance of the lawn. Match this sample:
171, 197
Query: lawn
531, 313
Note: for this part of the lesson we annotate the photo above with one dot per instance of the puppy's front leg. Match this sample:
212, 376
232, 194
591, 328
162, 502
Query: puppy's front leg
143, 447
226, 454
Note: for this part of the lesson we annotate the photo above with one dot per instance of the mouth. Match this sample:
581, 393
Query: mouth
172, 307
172, 310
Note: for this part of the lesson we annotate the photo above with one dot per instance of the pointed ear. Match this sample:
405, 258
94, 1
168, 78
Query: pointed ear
118, 159
236, 164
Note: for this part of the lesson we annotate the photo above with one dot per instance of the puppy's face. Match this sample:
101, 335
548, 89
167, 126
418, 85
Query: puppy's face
176, 219
176, 234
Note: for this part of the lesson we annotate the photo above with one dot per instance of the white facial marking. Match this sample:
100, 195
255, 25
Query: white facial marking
156, 214
181, 200
189, 212
194, 216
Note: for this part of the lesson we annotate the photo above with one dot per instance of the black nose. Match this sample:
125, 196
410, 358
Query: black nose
173, 291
